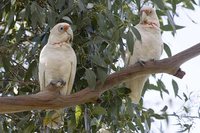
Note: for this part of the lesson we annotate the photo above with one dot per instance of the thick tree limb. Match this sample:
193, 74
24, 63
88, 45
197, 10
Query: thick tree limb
50, 99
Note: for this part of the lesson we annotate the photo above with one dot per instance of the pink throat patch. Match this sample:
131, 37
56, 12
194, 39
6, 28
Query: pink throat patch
59, 44
150, 24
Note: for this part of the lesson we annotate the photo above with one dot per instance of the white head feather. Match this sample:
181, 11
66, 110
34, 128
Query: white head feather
149, 16
60, 33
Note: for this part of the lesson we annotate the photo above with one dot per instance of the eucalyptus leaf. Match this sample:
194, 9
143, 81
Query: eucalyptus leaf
162, 86
101, 74
10, 19
51, 16
6, 63
115, 36
67, 19
153, 87
164, 108
186, 97
98, 61
138, 3
19, 33
129, 108
60, 4
30, 128
160, 4
28, 74
175, 87
157, 116
167, 50
5, 127
100, 20
81, 5
171, 21
1, 128
131, 126
51, 3
110, 17
34, 20
130, 41
78, 112
90, 77
136, 33
98, 110
194, 2
189, 5
139, 124
147, 119
94, 122
109, 4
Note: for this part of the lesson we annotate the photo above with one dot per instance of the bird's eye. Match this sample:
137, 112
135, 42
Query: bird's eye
61, 29
150, 12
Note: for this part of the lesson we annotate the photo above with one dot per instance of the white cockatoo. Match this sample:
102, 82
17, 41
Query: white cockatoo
149, 48
57, 63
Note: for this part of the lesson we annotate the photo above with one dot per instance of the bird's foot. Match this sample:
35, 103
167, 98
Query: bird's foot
142, 63
58, 83
153, 60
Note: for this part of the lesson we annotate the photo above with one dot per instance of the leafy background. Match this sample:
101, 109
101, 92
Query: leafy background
103, 29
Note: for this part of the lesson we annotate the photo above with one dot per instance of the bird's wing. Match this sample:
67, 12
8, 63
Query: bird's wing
136, 85
72, 75
42, 75
127, 58
162, 48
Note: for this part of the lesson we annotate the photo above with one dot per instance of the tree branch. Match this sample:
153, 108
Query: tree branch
50, 98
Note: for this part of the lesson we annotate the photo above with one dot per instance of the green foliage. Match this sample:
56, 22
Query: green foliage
175, 87
99, 32
91, 78
167, 50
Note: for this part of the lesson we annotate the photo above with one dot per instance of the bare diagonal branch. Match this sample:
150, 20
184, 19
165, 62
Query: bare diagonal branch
51, 99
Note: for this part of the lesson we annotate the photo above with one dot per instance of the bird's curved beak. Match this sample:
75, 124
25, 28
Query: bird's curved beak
143, 16
69, 31
66, 27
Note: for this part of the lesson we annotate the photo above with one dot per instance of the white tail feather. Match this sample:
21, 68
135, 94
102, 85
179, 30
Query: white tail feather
136, 85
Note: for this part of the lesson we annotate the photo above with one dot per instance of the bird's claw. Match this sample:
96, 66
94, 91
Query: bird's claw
153, 60
58, 83
142, 63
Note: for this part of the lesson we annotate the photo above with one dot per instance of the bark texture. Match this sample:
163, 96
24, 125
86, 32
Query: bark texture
51, 99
